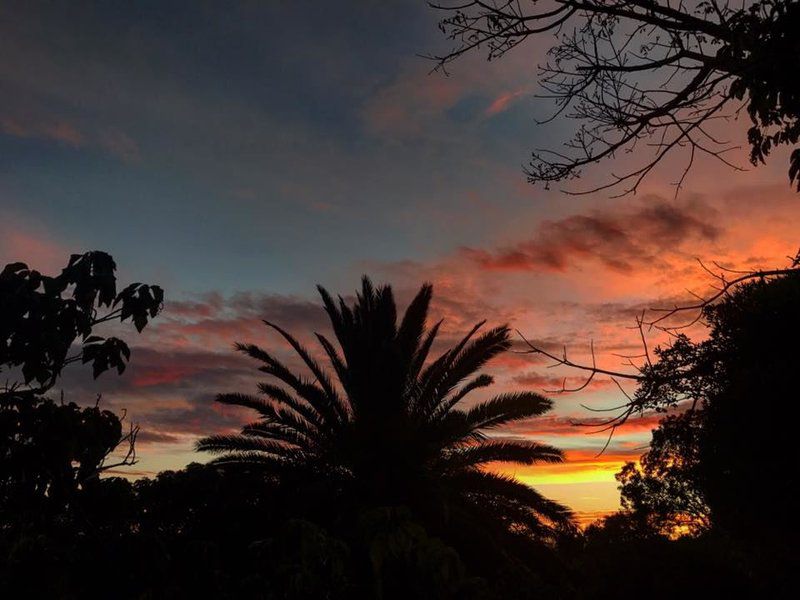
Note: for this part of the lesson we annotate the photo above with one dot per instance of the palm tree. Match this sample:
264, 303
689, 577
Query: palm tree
389, 429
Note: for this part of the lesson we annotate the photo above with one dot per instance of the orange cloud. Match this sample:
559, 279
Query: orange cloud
582, 277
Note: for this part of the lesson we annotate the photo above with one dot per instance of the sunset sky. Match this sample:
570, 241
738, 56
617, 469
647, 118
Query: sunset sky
240, 153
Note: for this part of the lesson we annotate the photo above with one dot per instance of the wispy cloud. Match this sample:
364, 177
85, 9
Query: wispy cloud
503, 102
61, 131
54, 130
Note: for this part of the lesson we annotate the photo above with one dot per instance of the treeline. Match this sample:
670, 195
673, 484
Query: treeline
366, 477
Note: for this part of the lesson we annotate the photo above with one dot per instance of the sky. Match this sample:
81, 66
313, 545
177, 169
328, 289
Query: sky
240, 153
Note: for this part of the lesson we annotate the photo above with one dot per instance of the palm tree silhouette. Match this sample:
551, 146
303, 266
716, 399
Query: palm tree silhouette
388, 429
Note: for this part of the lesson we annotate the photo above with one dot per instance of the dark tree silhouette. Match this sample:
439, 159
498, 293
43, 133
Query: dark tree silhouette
388, 429
49, 452
649, 76
662, 494
728, 461
42, 317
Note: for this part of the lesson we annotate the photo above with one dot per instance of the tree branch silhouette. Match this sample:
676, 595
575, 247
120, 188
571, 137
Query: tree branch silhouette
649, 376
646, 73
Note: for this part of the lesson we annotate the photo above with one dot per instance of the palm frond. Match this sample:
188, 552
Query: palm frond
274, 463
265, 409
367, 295
320, 374
483, 483
336, 362
386, 313
453, 428
443, 362
506, 408
412, 327
470, 359
525, 453
444, 407
432, 375
290, 419
280, 433
240, 443
283, 397
313, 394
347, 340
418, 361
333, 312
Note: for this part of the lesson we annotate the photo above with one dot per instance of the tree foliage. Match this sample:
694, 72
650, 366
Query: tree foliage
648, 76
724, 462
44, 317
388, 430
662, 493
51, 452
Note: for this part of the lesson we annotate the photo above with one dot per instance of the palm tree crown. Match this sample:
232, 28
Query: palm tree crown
389, 426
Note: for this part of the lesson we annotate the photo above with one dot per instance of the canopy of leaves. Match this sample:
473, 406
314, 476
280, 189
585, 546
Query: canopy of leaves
42, 317
663, 493
727, 462
49, 452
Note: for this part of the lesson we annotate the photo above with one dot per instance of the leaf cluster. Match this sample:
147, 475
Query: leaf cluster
44, 318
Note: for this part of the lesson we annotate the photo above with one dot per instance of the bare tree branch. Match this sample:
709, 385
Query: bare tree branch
636, 70
645, 373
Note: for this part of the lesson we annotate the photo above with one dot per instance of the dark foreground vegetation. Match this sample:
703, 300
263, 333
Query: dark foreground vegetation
367, 478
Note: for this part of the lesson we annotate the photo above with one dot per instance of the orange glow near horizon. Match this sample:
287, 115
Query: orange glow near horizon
584, 482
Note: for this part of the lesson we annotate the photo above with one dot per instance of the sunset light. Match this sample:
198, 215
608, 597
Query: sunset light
312, 300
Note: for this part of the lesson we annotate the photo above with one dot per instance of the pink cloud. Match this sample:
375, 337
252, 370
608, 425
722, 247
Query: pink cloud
502, 102
413, 104
20, 242
55, 130
62, 131
415, 98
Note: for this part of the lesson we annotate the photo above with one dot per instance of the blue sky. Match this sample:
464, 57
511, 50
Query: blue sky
219, 135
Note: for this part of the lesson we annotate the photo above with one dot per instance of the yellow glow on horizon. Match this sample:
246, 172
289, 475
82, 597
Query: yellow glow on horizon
587, 486
565, 473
